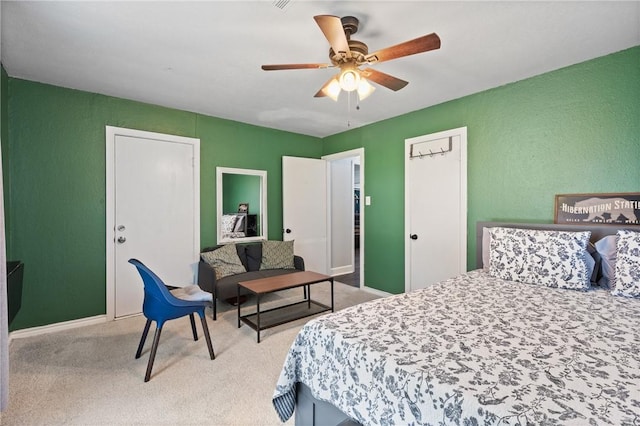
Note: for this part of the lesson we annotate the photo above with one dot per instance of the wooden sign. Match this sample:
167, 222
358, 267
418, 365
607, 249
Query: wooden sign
608, 209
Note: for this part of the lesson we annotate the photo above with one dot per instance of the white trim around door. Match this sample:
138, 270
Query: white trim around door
358, 152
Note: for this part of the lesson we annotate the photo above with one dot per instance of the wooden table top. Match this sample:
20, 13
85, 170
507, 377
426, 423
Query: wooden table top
283, 282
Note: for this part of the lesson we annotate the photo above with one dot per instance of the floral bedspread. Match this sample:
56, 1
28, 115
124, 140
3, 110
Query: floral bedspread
474, 350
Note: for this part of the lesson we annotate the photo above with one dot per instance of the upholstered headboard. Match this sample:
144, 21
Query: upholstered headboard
597, 231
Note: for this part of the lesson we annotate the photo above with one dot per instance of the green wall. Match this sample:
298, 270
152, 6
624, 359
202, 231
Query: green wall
241, 189
238, 189
574, 130
569, 131
57, 169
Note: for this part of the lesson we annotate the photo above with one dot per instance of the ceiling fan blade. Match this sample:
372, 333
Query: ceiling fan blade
411, 47
321, 93
386, 80
294, 67
331, 27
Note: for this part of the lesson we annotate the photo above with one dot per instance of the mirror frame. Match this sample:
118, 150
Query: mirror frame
220, 171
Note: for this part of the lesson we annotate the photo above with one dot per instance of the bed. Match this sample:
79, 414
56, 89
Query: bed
480, 349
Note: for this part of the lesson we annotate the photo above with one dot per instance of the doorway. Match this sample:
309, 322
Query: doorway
307, 213
153, 213
346, 224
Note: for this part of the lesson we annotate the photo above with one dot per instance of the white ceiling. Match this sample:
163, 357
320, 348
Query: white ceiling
205, 56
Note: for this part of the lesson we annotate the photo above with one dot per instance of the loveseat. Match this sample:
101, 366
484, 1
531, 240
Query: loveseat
219, 270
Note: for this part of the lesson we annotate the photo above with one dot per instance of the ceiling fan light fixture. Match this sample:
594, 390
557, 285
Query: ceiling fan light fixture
365, 89
348, 54
349, 80
332, 89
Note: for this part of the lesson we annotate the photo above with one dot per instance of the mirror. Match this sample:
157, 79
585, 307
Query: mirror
241, 204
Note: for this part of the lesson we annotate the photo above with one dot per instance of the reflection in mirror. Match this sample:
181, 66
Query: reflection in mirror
241, 204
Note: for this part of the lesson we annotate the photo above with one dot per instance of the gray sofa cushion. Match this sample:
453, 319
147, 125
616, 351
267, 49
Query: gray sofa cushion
254, 256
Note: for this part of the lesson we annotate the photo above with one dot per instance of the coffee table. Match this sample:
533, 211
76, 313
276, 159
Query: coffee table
260, 320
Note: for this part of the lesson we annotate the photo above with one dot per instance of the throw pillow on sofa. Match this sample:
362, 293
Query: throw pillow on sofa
277, 255
224, 261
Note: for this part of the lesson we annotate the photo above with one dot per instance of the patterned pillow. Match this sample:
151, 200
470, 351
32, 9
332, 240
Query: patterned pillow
626, 281
224, 261
277, 255
550, 258
228, 222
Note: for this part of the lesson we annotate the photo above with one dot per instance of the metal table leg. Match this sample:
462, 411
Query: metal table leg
258, 315
332, 295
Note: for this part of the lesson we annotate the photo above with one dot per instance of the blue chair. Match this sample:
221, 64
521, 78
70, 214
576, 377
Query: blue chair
160, 306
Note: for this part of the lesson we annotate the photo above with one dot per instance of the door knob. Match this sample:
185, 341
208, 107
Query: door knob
121, 239
288, 231
413, 236
121, 228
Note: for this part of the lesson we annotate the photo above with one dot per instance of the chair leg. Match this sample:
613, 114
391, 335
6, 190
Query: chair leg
193, 327
207, 337
143, 339
215, 303
152, 356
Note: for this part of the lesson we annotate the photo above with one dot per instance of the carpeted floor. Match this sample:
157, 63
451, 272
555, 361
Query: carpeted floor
88, 376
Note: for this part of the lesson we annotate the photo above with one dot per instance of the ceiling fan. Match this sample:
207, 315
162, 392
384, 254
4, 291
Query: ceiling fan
348, 55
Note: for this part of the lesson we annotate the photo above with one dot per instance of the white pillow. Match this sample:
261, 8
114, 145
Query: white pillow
626, 280
550, 258
192, 293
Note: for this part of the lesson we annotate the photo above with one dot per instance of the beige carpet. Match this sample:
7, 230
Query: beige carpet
88, 376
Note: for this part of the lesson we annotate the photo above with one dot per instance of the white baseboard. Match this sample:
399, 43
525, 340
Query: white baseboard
341, 270
376, 291
59, 326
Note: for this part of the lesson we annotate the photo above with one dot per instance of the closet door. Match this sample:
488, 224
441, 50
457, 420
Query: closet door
435, 207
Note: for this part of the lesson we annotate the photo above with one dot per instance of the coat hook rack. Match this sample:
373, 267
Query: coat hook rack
431, 153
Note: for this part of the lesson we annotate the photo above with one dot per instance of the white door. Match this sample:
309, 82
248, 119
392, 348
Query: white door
304, 209
154, 216
435, 207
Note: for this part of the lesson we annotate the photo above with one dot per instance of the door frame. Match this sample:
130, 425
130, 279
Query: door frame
111, 134
462, 132
357, 152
